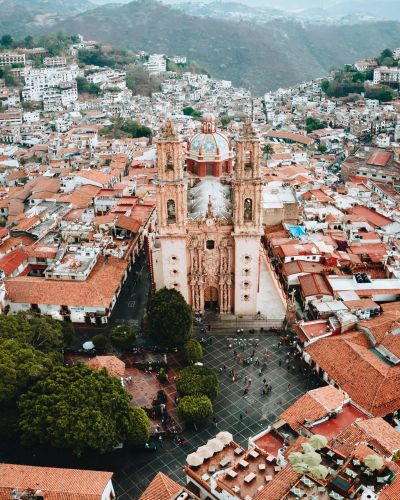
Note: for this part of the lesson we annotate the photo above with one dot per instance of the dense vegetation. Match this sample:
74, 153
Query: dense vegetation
125, 128
197, 380
44, 402
169, 318
193, 351
195, 408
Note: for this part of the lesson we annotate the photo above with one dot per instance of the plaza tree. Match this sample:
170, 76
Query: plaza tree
169, 318
197, 381
194, 409
20, 366
100, 342
193, 351
79, 409
122, 337
41, 332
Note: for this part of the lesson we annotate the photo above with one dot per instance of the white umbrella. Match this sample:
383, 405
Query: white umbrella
225, 437
215, 444
374, 462
194, 460
205, 452
317, 441
88, 346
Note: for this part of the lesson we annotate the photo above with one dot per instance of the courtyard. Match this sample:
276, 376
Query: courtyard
242, 416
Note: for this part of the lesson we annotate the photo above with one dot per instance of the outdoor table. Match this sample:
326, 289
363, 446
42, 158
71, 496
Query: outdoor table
236, 489
231, 473
243, 464
270, 458
224, 462
261, 466
249, 478
212, 468
277, 468
238, 451
205, 477
254, 454
268, 478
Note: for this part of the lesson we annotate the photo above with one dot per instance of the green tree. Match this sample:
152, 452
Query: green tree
194, 408
193, 351
322, 148
383, 94
100, 342
314, 124
125, 128
122, 337
6, 41
197, 380
41, 332
20, 366
169, 318
84, 87
189, 111
268, 150
28, 42
139, 428
325, 85
78, 408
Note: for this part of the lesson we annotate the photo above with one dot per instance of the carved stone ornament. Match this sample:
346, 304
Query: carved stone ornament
168, 132
247, 130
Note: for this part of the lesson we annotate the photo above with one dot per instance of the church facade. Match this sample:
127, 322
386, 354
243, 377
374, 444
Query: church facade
209, 219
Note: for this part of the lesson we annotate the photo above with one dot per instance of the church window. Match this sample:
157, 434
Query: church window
170, 161
248, 210
210, 244
171, 213
248, 160
246, 272
246, 297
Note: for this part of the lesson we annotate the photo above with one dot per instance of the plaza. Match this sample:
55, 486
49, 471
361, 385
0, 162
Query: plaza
257, 410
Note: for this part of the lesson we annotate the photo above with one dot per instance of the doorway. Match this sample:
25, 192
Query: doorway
211, 298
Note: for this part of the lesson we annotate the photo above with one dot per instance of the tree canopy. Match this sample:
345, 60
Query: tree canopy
189, 111
80, 408
196, 381
383, 94
84, 87
41, 332
194, 408
126, 128
20, 366
193, 351
314, 124
169, 318
122, 337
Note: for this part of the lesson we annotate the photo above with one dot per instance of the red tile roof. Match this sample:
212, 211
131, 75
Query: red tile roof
161, 488
57, 484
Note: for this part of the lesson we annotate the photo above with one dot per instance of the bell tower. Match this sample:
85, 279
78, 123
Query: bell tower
169, 254
247, 192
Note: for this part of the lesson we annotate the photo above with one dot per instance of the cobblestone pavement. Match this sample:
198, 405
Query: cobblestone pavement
258, 411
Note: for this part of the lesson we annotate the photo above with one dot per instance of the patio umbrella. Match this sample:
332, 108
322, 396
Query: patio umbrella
312, 459
300, 467
319, 472
88, 346
374, 462
295, 458
317, 441
205, 452
215, 444
307, 448
225, 437
194, 460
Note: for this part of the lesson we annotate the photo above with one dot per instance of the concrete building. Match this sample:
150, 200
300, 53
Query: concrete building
10, 58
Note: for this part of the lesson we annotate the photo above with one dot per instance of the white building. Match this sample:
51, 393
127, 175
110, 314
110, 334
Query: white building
37, 81
156, 64
52, 62
10, 58
383, 74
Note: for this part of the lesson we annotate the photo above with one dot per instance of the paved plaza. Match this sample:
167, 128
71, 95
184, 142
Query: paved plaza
257, 411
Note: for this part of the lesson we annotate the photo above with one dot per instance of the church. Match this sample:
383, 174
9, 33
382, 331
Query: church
209, 219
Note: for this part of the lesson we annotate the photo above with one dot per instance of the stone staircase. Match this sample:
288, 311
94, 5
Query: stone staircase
228, 324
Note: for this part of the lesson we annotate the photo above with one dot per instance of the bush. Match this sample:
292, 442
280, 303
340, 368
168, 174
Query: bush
193, 351
122, 337
194, 408
139, 431
100, 342
197, 381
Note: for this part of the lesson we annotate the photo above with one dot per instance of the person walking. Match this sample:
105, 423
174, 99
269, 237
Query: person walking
215, 421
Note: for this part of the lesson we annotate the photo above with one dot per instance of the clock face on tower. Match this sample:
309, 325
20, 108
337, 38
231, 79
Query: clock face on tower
209, 222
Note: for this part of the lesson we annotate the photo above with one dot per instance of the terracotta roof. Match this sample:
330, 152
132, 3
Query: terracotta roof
314, 284
280, 485
312, 406
97, 291
301, 266
57, 484
114, 366
128, 223
161, 488
359, 370
10, 262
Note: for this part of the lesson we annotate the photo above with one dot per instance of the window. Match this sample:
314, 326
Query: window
248, 210
248, 160
170, 161
246, 297
171, 214
210, 244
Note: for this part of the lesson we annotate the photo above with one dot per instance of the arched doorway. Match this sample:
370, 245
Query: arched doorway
211, 298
